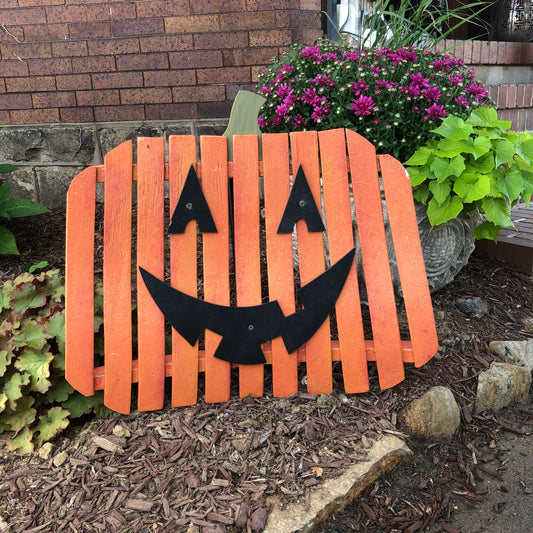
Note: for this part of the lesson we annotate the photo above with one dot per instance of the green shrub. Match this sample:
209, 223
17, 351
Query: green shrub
476, 164
36, 402
13, 208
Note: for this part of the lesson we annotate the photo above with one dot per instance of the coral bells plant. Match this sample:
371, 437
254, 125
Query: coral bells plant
392, 97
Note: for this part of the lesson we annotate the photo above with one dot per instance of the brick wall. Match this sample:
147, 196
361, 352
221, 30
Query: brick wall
74, 61
513, 100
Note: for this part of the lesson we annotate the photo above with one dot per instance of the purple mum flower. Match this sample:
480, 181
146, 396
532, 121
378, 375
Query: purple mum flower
462, 102
310, 97
419, 80
362, 105
359, 86
478, 92
432, 94
455, 80
435, 112
262, 122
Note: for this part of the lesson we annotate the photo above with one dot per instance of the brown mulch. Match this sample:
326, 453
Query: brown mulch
219, 468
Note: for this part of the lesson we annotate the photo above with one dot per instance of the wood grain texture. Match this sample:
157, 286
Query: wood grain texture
183, 271
247, 243
79, 282
150, 256
376, 266
117, 278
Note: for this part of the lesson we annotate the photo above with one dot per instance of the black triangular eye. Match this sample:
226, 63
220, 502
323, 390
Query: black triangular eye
301, 205
192, 205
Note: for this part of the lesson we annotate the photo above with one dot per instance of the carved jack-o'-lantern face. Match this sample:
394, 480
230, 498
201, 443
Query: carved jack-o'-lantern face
243, 329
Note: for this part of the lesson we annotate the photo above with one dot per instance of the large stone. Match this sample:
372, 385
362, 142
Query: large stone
53, 183
518, 353
501, 385
434, 415
22, 184
334, 494
50, 144
112, 136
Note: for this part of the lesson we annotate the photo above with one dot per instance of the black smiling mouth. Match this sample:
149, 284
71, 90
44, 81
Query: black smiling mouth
244, 329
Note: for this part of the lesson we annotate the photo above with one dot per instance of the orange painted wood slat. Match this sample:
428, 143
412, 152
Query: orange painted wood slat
339, 224
150, 256
304, 150
247, 243
376, 266
79, 282
183, 272
216, 259
279, 255
117, 278
409, 259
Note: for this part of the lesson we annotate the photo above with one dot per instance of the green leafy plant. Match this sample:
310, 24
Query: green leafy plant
13, 208
406, 23
473, 165
36, 402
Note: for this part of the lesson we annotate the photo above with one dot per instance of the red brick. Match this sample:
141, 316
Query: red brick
256, 70
77, 114
27, 84
485, 49
73, 82
171, 111
305, 37
467, 52
262, 5
35, 116
314, 5
89, 30
521, 120
526, 54
57, 99
233, 88
5, 117
511, 96
494, 92
223, 75
46, 32
196, 59
104, 47
69, 48
515, 52
502, 97
513, 117
504, 114
218, 41
13, 68
25, 50
3, 89
92, 98
192, 24
297, 19
150, 95
40, 3
115, 80
93, 64
122, 10
16, 33
21, 16
64, 13
55, 65
476, 52
162, 8
270, 37
119, 113
169, 78
127, 28
210, 93
218, 6
529, 120
142, 62
10, 3
493, 52
248, 21
528, 102
15, 101
214, 109
249, 56
166, 43
520, 93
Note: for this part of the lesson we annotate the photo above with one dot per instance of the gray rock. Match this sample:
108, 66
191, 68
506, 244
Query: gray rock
53, 183
473, 307
112, 136
332, 495
22, 184
53, 144
518, 353
501, 385
434, 415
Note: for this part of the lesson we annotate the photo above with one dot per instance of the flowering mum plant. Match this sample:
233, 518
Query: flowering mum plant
394, 98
